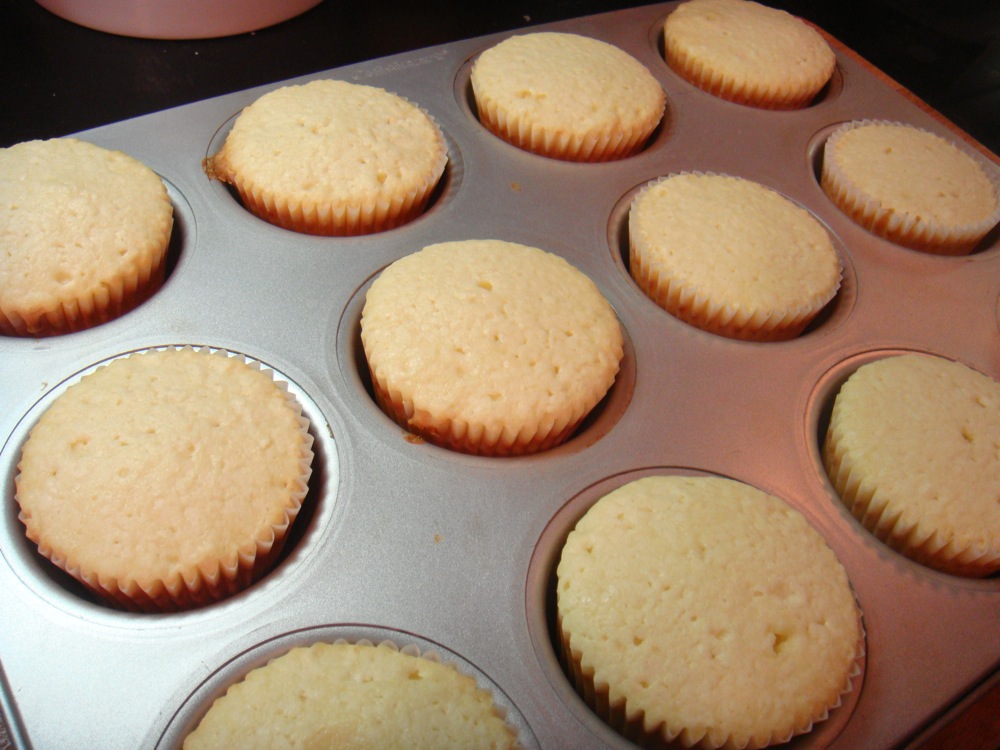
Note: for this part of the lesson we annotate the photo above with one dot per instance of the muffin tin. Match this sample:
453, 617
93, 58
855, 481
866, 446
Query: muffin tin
404, 541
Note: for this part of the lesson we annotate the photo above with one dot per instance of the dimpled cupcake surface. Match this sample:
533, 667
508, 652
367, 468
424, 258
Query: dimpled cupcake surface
353, 695
731, 256
489, 347
84, 233
747, 53
567, 96
332, 158
704, 611
912, 449
166, 479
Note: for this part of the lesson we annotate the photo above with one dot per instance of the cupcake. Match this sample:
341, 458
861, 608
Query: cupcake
332, 158
912, 451
83, 233
703, 612
567, 96
747, 53
166, 479
910, 186
357, 695
489, 347
731, 256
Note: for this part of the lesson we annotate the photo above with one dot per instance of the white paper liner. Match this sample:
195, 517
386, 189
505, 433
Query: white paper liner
562, 143
633, 726
473, 437
698, 310
908, 536
739, 90
379, 214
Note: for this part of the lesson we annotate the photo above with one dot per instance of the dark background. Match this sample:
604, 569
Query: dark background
59, 78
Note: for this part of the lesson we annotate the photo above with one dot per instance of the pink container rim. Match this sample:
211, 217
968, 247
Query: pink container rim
177, 19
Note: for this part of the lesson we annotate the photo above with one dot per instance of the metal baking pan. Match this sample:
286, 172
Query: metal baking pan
454, 553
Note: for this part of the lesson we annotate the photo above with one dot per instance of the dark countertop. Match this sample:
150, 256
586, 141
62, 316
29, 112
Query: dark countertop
60, 78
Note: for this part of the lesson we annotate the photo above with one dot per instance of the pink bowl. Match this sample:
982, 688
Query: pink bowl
177, 19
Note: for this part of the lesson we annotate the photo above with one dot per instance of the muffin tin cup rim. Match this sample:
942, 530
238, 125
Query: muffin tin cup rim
56, 588
817, 415
539, 605
193, 702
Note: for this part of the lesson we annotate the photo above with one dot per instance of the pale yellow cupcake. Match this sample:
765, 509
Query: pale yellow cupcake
731, 256
359, 696
489, 347
747, 53
910, 186
704, 612
332, 158
83, 235
567, 96
166, 479
912, 450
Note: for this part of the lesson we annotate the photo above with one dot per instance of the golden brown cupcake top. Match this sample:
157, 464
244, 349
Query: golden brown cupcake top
162, 467
497, 341
354, 695
748, 53
912, 449
332, 157
911, 186
708, 609
567, 96
80, 227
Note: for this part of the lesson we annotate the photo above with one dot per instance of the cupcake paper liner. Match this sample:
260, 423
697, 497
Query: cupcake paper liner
560, 143
113, 298
895, 528
474, 438
633, 725
908, 230
378, 214
121, 295
697, 310
740, 91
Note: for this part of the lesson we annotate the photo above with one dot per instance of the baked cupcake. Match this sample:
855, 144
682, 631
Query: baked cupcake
910, 186
332, 158
747, 53
705, 612
166, 479
83, 235
912, 451
355, 695
731, 256
567, 96
489, 347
